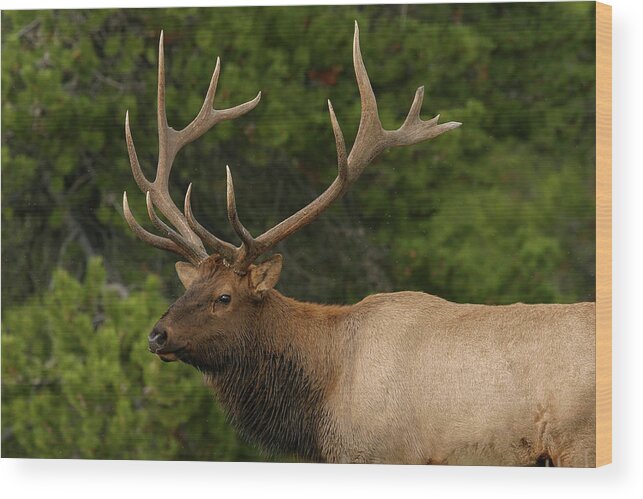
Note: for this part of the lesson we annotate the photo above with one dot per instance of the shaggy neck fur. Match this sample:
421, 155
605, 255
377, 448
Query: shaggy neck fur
275, 385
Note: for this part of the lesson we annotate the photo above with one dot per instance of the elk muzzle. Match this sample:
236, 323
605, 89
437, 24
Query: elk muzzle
158, 344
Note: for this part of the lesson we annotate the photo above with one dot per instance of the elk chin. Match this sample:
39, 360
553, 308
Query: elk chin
206, 364
168, 357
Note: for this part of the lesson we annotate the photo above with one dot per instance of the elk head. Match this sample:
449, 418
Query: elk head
225, 290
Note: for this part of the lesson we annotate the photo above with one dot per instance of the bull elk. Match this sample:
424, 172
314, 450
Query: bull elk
402, 377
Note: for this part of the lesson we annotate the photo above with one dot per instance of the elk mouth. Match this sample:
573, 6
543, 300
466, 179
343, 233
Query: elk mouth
169, 356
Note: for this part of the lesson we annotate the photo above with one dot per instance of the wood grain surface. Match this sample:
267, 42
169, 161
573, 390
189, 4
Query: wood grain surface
603, 234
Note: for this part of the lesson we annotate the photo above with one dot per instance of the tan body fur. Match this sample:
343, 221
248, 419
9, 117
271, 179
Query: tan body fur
412, 378
429, 381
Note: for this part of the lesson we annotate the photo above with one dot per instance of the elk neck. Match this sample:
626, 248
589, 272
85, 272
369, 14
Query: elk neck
275, 386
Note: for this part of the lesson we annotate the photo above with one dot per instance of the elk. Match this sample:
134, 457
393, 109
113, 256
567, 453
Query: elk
402, 377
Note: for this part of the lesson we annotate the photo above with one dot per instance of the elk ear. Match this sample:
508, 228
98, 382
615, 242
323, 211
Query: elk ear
264, 276
187, 273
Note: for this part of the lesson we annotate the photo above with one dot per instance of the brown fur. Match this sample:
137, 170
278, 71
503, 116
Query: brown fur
397, 378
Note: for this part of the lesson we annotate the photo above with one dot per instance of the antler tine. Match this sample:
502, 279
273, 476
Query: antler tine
223, 248
250, 249
162, 172
208, 116
340, 145
139, 177
369, 140
415, 129
148, 237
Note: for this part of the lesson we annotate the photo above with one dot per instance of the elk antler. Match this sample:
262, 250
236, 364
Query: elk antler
188, 241
371, 140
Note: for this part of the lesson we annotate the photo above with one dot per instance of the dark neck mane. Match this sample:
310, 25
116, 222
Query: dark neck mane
274, 387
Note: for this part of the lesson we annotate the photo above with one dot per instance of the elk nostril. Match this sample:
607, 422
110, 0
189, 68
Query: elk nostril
158, 337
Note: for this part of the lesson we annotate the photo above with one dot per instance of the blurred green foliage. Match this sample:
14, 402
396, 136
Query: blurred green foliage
497, 211
77, 381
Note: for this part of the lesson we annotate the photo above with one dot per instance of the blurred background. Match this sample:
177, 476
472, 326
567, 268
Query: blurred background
498, 211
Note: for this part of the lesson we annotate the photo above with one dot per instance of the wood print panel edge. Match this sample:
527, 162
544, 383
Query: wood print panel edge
603, 234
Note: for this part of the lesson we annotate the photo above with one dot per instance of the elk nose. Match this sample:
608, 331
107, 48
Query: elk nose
157, 338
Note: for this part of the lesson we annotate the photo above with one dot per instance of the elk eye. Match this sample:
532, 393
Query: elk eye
225, 299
